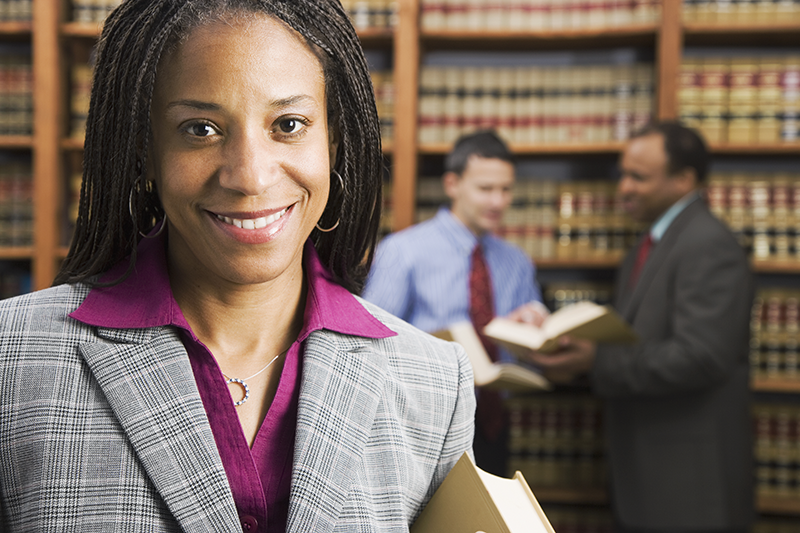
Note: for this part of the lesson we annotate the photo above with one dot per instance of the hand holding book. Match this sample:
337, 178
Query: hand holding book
564, 345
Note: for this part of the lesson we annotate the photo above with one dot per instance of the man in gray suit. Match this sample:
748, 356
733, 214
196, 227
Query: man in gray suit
677, 402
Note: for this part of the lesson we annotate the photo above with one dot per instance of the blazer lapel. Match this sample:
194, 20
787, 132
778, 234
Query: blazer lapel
148, 381
657, 258
340, 392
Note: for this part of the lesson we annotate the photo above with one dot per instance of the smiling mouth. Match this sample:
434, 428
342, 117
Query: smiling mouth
252, 223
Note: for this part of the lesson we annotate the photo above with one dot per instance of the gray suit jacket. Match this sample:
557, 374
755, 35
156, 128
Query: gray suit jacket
677, 404
104, 429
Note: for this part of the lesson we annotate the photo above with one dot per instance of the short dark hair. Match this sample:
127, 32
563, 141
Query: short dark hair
134, 39
484, 143
685, 147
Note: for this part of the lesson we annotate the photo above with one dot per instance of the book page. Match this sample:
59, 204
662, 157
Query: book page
568, 317
514, 505
482, 368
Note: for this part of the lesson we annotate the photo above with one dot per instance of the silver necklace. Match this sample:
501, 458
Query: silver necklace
241, 381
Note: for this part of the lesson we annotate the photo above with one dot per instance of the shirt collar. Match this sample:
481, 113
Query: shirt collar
662, 224
145, 300
461, 236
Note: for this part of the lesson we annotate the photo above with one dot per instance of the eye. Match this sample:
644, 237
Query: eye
291, 125
201, 129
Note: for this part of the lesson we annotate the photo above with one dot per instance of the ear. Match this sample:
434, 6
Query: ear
450, 180
333, 146
686, 179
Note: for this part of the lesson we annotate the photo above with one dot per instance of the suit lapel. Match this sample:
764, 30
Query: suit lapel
657, 257
340, 392
148, 381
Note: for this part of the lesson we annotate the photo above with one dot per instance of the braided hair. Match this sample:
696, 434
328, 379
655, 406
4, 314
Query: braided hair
116, 207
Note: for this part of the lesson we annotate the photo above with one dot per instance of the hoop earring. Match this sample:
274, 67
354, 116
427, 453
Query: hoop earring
133, 218
341, 184
329, 229
160, 230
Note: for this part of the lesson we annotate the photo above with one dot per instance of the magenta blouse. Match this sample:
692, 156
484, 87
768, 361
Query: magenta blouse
260, 478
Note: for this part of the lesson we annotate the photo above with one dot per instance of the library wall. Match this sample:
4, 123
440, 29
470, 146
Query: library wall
564, 82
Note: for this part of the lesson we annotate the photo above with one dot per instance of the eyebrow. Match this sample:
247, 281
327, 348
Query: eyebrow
209, 106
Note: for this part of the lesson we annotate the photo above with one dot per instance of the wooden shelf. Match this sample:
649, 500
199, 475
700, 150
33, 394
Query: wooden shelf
16, 252
634, 35
72, 143
593, 496
16, 141
756, 149
81, 29
16, 28
776, 267
775, 385
778, 504
779, 33
376, 36
613, 148
593, 263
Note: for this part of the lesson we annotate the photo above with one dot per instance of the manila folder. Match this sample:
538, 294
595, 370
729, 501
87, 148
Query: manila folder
470, 500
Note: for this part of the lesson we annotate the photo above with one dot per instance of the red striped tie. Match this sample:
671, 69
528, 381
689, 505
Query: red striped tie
490, 413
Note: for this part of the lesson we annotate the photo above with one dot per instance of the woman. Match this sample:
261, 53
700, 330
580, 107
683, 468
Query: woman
217, 374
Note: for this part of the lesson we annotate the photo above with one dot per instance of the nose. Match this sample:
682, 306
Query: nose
500, 199
251, 163
624, 186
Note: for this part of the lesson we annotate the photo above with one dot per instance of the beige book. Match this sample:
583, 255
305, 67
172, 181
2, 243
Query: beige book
488, 374
582, 320
471, 500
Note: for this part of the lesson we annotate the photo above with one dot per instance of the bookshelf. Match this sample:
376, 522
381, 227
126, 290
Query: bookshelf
53, 36
51, 33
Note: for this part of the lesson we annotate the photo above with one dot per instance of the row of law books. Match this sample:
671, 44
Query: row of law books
550, 219
579, 519
80, 94
534, 105
765, 524
535, 15
92, 11
740, 11
16, 10
16, 204
580, 220
561, 294
556, 440
761, 209
742, 100
371, 14
383, 84
775, 335
16, 94
777, 449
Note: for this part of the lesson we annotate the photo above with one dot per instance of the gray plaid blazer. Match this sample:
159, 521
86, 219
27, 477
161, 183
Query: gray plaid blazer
104, 429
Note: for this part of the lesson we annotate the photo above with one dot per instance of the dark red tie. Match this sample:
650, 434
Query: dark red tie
481, 300
490, 414
641, 259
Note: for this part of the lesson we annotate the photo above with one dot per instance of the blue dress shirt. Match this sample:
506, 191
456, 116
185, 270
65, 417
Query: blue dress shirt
421, 274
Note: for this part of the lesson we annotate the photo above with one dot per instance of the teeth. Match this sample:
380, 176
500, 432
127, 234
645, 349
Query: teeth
252, 223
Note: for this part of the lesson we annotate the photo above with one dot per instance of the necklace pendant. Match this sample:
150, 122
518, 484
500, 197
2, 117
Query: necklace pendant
244, 386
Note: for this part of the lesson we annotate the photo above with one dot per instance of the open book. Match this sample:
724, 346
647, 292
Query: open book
488, 374
471, 500
583, 320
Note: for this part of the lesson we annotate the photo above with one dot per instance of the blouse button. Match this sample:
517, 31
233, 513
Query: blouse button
249, 524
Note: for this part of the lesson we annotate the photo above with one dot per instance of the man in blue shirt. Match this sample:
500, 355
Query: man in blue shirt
677, 403
422, 273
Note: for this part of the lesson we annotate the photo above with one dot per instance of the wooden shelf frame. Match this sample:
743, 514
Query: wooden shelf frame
16, 29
